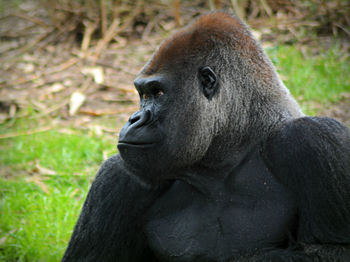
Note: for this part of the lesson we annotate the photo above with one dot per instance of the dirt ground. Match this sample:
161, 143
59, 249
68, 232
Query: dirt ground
46, 82
53, 82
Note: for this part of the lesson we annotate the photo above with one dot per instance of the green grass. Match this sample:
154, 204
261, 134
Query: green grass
320, 78
36, 218
38, 211
37, 225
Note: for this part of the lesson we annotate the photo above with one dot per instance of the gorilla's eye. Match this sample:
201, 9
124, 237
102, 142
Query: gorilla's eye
156, 92
159, 93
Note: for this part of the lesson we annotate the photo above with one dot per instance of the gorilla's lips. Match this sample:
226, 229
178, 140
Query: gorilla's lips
139, 132
142, 144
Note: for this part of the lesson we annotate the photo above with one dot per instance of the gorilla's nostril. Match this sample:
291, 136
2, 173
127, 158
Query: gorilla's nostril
140, 118
134, 118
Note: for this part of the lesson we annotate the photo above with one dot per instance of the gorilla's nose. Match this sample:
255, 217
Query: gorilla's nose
140, 118
137, 131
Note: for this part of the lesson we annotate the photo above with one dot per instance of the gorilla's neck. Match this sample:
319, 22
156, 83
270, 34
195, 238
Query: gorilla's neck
209, 178
232, 144
224, 153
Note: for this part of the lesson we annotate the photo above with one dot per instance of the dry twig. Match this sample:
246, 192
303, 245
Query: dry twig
114, 30
31, 19
57, 69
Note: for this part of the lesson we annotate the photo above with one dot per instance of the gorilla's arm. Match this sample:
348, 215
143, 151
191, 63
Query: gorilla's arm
108, 227
311, 156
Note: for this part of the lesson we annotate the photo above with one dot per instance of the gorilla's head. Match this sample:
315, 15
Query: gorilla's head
207, 92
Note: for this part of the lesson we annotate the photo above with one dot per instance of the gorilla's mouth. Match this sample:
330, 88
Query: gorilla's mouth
136, 143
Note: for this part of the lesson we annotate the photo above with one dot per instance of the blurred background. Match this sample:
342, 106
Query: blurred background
66, 88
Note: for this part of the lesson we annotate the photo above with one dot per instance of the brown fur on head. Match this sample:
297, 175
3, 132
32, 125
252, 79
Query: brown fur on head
201, 37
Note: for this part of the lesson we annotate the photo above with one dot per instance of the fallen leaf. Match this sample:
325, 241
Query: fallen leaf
256, 34
95, 72
36, 180
76, 101
44, 171
12, 111
28, 68
56, 87
75, 191
97, 130
38, 105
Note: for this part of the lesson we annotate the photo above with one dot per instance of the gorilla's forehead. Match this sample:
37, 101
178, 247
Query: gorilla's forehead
200, 38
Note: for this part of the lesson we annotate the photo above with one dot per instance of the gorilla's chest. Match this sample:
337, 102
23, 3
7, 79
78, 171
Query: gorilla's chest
187, 225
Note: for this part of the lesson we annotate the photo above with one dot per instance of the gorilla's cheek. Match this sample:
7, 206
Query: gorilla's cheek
189, 143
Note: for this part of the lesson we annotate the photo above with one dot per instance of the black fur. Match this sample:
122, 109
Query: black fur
218, 164
308, 158
113, 208
311, 156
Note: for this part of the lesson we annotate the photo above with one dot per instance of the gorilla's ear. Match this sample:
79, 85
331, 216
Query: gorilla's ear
208, 81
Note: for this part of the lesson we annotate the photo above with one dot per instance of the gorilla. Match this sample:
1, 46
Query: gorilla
219, 164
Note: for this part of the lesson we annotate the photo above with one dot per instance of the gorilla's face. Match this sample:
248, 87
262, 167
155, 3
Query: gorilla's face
143, 137
173, 127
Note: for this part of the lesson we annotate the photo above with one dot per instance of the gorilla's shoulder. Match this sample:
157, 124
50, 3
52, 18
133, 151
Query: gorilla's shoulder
114, 171
110, 171
309, 146
310, 132
311, 157
111, 165
111, 162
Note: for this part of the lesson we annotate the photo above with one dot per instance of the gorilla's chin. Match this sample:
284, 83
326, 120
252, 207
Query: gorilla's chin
145, 156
